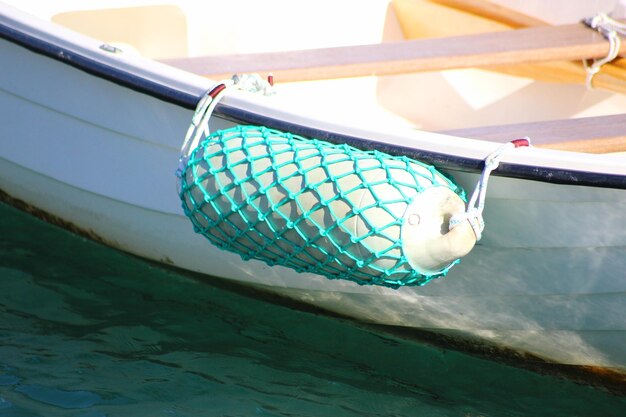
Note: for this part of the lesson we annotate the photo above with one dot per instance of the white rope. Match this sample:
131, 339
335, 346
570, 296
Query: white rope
199, 127
474, 212
610, 29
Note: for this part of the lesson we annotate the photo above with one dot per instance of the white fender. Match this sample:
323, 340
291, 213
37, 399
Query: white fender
427, 241
339, 213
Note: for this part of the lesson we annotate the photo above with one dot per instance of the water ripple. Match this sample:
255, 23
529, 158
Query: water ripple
89, 332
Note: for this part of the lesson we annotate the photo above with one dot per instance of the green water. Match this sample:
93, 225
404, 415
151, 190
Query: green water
86, 331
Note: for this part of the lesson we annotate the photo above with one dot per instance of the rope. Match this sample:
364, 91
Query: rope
199, 127
474, 211
609, 28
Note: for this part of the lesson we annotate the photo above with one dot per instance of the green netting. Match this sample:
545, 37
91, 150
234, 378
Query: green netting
307, 204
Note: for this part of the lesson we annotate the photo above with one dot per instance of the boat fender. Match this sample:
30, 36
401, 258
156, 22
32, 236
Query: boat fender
324, 208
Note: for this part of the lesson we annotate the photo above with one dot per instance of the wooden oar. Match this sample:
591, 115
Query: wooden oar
601, 134
549, 43
485, 16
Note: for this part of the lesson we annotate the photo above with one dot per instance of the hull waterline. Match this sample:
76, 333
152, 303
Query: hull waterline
546, 280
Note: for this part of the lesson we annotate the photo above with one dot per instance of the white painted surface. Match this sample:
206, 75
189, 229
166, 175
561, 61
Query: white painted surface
548, 276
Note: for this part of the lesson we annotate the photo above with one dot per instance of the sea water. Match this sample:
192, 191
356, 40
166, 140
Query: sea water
87, 331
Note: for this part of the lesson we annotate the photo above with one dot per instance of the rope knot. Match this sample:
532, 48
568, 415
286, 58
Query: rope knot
475, 219
199, 127
610, 29
474, 212
254, 83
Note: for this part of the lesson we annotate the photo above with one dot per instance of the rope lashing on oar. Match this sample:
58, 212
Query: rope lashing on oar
325, 208
476, 205
610, 29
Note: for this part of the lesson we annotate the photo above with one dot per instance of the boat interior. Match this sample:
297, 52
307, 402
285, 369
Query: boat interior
546, 101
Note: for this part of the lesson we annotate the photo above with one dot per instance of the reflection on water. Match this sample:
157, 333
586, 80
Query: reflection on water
89, 332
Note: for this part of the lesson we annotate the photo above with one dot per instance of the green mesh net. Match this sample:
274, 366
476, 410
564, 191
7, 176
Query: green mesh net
307, 204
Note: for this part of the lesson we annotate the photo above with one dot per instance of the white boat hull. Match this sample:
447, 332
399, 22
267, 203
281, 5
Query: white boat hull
547, 279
